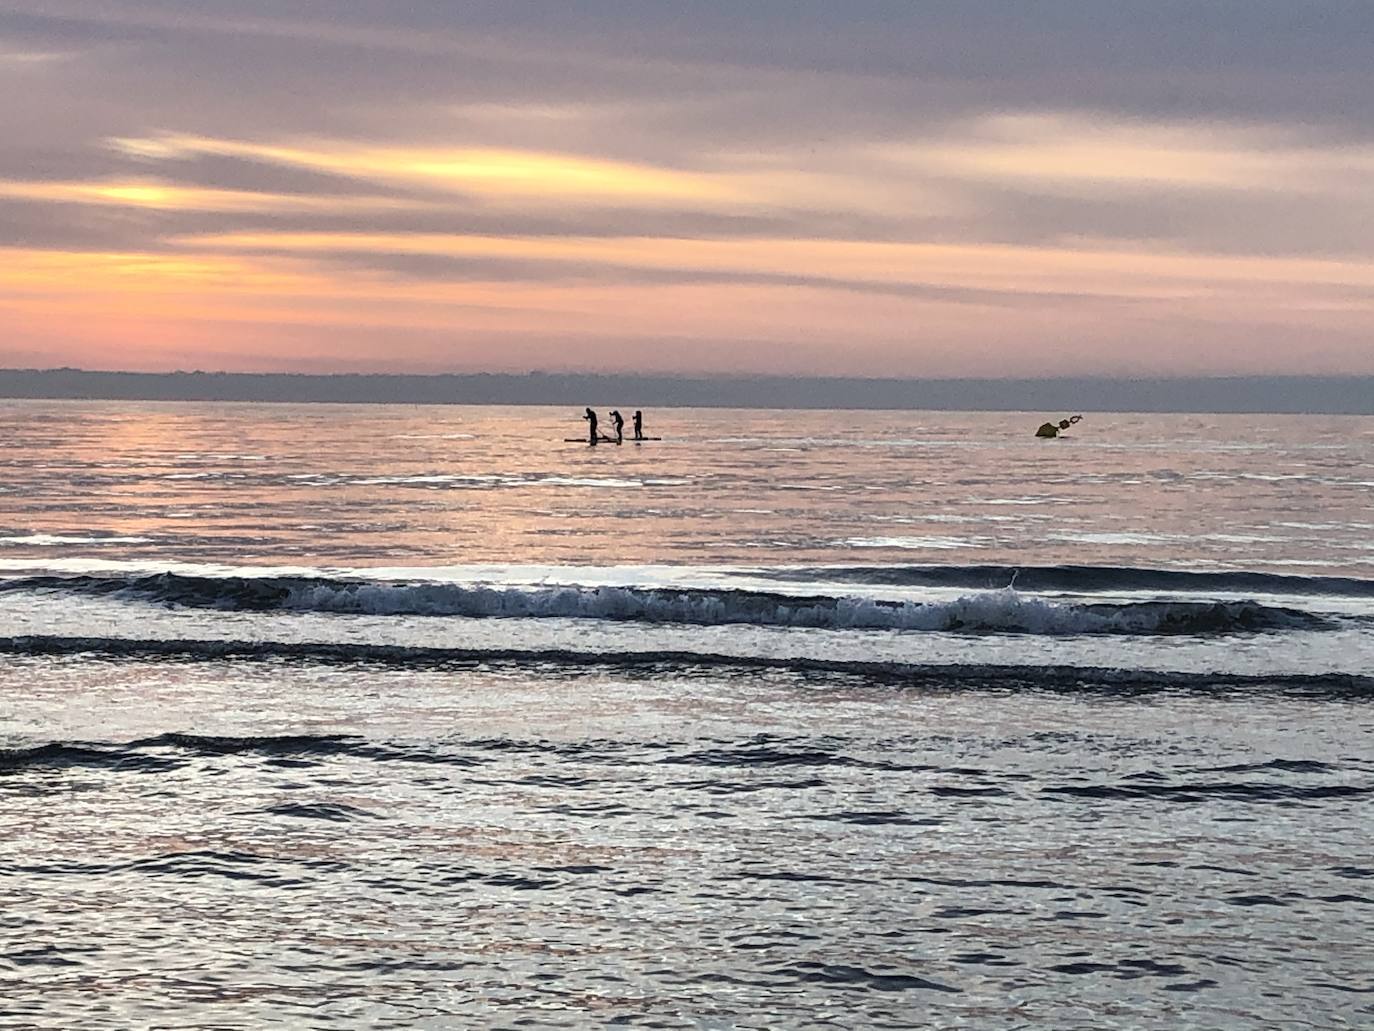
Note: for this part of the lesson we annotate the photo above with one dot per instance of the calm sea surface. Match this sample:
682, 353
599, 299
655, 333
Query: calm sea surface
336, 716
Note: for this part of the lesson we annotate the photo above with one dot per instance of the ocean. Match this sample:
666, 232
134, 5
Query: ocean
327, 716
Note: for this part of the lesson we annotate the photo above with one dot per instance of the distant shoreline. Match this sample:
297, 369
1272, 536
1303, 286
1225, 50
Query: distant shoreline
1328, 395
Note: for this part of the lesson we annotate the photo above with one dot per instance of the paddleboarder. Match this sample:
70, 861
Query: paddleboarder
591, 426
618, 421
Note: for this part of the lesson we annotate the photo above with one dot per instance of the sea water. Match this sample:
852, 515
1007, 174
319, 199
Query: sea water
352, 716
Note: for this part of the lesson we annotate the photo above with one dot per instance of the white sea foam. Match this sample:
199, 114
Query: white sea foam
912, 543
1003, 610
1128, 539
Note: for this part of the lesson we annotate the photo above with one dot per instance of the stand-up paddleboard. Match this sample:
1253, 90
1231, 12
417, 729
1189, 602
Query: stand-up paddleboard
608, 440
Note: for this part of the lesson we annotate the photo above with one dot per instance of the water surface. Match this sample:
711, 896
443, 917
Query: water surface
331, 716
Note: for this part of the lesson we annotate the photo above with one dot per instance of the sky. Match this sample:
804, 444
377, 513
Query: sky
924, 188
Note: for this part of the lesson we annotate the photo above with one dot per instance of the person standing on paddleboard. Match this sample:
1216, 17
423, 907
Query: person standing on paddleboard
618, 421
639, 424
591, 426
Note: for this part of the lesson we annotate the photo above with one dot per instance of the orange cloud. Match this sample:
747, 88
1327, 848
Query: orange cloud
943, 302
285, 309
489, 172
160, 196
1089, 270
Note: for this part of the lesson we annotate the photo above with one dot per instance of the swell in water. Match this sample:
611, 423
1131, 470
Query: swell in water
984, 677
998, 611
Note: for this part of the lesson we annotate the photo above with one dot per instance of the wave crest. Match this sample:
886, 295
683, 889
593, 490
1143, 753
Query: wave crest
996, 611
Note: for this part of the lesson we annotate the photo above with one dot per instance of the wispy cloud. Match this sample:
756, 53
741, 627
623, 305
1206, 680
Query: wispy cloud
1080, 151
494, 174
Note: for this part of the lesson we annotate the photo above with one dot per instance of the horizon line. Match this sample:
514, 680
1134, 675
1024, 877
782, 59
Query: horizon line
1249, 394
706, 376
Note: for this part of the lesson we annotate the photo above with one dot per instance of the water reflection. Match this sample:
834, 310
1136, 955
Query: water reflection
359, 485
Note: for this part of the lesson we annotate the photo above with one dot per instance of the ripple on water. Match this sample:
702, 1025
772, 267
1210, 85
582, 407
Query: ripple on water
714, 850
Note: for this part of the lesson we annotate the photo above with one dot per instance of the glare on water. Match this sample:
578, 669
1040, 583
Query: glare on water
392, 485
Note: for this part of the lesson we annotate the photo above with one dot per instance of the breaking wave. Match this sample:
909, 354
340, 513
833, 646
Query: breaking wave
995, 611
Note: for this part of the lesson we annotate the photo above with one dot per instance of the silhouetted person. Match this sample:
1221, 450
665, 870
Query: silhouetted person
591, 426
639, 424
618, 421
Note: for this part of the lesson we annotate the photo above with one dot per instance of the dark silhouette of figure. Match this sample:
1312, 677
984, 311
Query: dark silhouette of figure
639, 424
591, 426
618, 421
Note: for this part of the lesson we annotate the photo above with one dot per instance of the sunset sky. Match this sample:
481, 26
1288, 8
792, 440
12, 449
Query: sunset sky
944, 188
